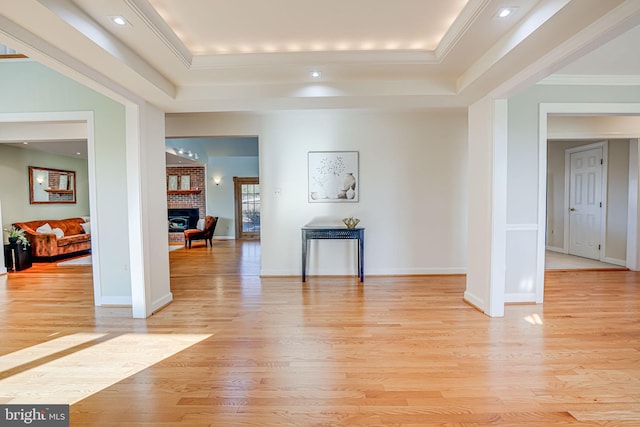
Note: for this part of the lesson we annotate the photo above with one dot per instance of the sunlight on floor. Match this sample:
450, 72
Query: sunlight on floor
48, 348
534, 319
73, 377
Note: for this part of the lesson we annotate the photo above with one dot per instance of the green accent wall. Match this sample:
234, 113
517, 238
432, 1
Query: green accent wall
14, 185
29, 87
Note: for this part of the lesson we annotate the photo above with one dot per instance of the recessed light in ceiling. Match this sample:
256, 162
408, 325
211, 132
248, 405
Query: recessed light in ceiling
316, 74
119, 20
505, 12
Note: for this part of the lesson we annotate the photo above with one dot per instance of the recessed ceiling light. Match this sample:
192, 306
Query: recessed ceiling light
25, 143
316, 74
119, 20
78, 153
505, 11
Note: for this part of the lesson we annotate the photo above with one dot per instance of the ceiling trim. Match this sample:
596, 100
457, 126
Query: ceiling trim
614, 23
153, 20
94, 33
45, 53
162, 31
459, 27
305, 58
590, 80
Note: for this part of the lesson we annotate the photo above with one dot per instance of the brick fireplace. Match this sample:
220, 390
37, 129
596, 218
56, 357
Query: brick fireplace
185, 198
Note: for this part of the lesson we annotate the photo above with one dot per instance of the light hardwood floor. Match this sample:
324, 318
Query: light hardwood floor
559, 261
235, 349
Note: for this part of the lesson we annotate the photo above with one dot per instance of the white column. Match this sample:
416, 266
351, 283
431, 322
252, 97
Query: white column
3, 268
487, 201
147, 200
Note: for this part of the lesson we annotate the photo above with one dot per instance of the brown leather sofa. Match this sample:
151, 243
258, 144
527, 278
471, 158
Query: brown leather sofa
49, 246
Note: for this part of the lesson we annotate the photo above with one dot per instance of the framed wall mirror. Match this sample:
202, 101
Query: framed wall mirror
51, 185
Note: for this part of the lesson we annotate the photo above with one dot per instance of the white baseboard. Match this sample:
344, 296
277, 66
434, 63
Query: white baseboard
524, 297
3, 270
556, 249
474, 300
417, 271
116, 301
391, 272
161, 302
614, 261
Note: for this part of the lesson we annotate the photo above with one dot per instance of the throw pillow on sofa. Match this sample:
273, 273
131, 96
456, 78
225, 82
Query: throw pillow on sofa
86, 226
58, 232
45, 229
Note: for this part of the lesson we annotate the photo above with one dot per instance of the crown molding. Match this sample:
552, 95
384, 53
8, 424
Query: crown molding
305, 58
459, 27
45, 53
591, 80
161, 30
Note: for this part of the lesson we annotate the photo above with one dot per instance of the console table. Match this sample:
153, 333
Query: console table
309, 233
16, 257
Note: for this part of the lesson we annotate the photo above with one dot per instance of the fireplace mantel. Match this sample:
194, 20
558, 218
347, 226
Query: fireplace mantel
184, 191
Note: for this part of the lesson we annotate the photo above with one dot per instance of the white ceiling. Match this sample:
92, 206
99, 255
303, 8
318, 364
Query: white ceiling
220, 55
255, 55
208, 27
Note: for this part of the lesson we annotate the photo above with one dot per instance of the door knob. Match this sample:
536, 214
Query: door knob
572, 209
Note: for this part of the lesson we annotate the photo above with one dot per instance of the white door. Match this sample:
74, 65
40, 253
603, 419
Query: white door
585, 203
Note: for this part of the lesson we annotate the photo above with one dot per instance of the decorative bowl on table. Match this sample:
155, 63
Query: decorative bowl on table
350, 222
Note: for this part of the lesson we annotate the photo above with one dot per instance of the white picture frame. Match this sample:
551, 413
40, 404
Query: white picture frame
63, 182
172, 183
334, 176
185, 182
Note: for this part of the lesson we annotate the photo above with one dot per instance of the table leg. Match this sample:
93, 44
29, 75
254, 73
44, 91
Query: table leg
305, 242
361, 257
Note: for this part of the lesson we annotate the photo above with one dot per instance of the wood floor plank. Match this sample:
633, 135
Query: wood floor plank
394, 351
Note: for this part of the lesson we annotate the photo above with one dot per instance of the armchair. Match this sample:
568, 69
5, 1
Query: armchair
205, 234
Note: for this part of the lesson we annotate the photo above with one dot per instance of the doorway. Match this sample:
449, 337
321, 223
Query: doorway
602, 112
80, 124
605, 237
247, 207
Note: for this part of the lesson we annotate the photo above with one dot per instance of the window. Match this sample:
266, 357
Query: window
247, 201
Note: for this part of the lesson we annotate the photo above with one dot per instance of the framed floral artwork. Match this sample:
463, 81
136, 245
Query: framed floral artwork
185, 182
333, 176
172, 182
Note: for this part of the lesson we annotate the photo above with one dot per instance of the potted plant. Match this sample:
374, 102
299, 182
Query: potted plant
16, 235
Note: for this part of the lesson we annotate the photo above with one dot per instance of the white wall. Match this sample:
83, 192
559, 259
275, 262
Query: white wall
616, 202
3, 268
413, 185
523, 179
